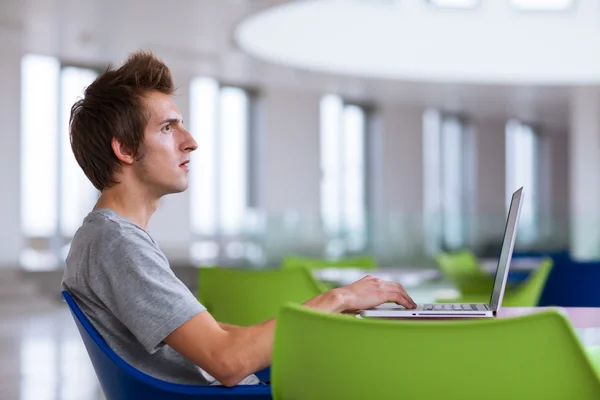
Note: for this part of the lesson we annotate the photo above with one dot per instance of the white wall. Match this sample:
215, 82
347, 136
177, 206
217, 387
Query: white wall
10, 80
289, 171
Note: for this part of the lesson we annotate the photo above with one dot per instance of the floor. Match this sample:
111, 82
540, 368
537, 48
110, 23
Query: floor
42, 356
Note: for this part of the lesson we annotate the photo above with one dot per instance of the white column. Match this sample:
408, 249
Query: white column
290, 164
585, 173
398, 230
289, 172
10, 100
402, 160
490, 187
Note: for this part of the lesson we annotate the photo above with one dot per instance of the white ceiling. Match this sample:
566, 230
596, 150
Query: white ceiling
197, 37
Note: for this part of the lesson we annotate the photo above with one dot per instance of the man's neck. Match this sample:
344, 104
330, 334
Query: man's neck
136, 206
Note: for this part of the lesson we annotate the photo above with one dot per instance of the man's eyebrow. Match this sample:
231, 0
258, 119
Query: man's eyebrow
171, 121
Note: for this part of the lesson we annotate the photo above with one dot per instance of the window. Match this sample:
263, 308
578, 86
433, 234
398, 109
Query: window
453, 211
220, 183
55, 193
522, 154
39, 145
343, 152
448, 181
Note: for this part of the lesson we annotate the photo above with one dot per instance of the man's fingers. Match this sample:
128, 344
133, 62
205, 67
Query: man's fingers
399, 295
400, 289
404, 302
406, 295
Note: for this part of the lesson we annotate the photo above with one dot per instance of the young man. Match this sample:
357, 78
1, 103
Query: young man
128, 137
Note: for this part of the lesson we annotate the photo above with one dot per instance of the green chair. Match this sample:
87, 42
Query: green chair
527, 294
296, 261
594, 353
463, 270
247, 297
324, 356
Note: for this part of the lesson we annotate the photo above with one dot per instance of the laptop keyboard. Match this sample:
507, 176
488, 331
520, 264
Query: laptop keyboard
450, 307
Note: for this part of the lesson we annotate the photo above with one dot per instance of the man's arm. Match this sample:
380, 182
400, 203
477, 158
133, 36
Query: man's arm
229, 352
232, 354
228, 355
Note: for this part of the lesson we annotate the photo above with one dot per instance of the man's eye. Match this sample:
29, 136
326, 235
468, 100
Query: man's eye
167, 127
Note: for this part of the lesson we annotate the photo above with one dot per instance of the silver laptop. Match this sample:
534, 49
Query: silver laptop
390, 310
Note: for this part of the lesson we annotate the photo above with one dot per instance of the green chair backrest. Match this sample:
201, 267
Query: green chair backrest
247, 297
296, 261
463, 270
323, 356
528, 293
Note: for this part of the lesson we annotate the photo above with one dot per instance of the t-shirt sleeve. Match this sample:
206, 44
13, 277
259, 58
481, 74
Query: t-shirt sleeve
135, 281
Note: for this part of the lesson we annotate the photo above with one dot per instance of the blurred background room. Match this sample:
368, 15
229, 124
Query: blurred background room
342, 135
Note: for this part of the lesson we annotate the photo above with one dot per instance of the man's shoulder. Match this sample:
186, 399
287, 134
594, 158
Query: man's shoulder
107, 234
105, 239
107, 226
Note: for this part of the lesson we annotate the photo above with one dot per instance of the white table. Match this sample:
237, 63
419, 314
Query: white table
408, 277
524, 264
411, 276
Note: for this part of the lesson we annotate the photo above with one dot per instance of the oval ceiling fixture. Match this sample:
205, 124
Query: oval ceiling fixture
542, 5
411, 40
455, 3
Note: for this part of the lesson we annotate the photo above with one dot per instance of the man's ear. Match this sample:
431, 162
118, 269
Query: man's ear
124, 154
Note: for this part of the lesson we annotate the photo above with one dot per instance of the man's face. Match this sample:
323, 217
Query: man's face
166, 148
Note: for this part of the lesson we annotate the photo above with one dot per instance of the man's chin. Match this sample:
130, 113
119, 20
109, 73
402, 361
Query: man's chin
180, 189
175, 189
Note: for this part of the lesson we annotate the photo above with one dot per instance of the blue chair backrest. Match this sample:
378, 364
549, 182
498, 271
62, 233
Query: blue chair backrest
119, 380
517, 276
572, 283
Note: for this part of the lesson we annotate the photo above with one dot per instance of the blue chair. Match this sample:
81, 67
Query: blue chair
572, 283
121, 381
518, 277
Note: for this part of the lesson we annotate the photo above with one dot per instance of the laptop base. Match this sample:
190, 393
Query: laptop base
424, 311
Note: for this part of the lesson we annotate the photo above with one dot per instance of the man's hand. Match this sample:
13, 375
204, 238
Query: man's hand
362, 294
370, 292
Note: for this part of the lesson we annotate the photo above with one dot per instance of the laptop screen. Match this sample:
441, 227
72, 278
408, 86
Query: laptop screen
507, 249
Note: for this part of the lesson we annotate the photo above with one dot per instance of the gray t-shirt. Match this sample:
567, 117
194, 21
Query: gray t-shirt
123, 283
